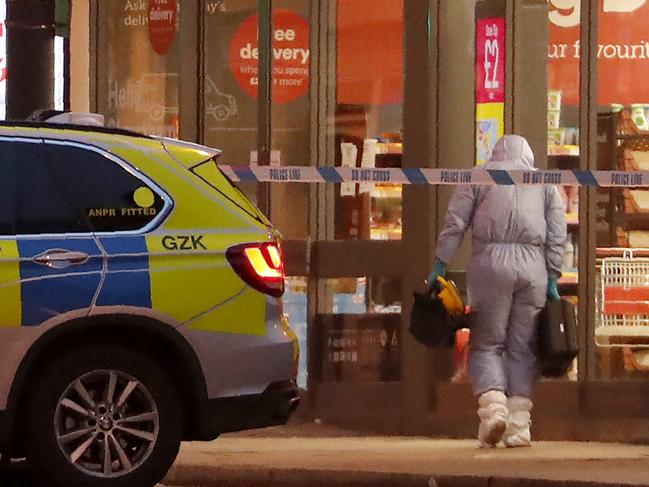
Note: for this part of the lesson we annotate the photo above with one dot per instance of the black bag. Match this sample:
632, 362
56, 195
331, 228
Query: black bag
430, 323
558, 344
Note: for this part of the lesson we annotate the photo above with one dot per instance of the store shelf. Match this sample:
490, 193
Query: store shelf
569, 278
385, 233
386, 191
569, 284
390, 148
563, 150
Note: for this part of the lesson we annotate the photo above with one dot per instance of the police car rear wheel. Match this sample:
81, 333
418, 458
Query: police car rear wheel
105, 416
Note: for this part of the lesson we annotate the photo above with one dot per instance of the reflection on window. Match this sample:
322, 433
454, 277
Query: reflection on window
369, 115
143, 67
360, 348
361, 332
359, 295
229, 90
295, 308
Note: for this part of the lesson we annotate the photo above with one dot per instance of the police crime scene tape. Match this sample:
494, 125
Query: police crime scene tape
491, 177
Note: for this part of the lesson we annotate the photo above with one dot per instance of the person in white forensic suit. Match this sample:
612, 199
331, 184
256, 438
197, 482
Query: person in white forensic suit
518, 238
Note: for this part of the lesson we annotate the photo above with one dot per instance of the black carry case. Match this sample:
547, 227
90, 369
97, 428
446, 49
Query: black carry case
430, 323
558, 345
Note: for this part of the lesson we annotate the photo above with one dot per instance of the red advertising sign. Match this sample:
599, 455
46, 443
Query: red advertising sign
291, 56
490, 60
622, 50
163, 19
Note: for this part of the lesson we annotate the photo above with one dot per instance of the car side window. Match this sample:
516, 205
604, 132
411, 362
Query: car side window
105, 196
8, 191
54, 189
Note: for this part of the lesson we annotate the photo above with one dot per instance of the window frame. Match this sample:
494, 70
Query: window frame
125, 166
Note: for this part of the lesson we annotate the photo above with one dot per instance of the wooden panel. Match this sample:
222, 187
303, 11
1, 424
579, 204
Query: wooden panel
295, 257
358, 259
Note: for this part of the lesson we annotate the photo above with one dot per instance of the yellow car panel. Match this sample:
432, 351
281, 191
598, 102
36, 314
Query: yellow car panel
10, 284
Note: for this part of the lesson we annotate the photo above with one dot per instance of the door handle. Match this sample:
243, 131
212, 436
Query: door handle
61, 259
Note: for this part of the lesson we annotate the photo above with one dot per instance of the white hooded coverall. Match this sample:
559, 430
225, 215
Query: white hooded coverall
518, 238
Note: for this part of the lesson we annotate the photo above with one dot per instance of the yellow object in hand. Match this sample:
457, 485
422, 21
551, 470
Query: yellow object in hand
449, 296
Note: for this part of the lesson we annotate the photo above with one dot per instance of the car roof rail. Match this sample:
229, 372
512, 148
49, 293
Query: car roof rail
82, 122
72, 118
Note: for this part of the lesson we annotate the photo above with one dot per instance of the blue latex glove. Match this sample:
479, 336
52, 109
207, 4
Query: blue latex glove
438, 270
553, 292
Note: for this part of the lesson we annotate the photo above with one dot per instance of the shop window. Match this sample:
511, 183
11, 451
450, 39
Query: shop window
361, 295
622, 317
230, 82
142, 69
563, 123
368, 115
360, 332
291, 112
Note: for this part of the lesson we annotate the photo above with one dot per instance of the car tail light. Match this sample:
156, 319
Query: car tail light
259, 265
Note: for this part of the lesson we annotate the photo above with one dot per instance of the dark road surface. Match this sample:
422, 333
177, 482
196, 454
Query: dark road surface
16, 476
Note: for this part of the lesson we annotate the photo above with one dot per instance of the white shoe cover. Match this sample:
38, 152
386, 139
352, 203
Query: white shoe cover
518, 432
493, 414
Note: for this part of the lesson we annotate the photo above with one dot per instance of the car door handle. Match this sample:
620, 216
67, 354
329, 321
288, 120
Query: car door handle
60, 259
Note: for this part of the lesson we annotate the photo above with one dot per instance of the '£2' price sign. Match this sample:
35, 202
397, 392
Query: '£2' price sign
490, 60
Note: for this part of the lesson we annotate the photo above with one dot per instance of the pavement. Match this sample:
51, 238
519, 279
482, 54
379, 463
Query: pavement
315, 455
305, 454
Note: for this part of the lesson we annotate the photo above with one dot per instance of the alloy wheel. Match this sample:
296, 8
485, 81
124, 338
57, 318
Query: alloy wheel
106, 423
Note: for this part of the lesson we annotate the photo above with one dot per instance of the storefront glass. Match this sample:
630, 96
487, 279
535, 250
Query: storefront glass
361, 332
230, 82
622, 314
291, 109
368, 114
142, 65
563, 129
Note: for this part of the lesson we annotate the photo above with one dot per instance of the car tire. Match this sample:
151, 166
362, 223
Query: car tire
120, 388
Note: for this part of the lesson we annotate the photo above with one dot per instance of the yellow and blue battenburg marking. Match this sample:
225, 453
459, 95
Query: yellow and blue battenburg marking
10, 284
186, 277
47, 291
127, 281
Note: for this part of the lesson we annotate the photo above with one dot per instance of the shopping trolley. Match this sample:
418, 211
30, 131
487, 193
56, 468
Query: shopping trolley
623, 301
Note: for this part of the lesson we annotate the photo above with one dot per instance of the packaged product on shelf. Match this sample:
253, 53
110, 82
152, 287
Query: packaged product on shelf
638, 199
554, 100
636, 160
573, 199
554, 117
639, 116
556, 137
572, 136
638, 239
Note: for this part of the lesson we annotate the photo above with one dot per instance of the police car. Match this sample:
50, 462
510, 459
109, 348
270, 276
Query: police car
140, 303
